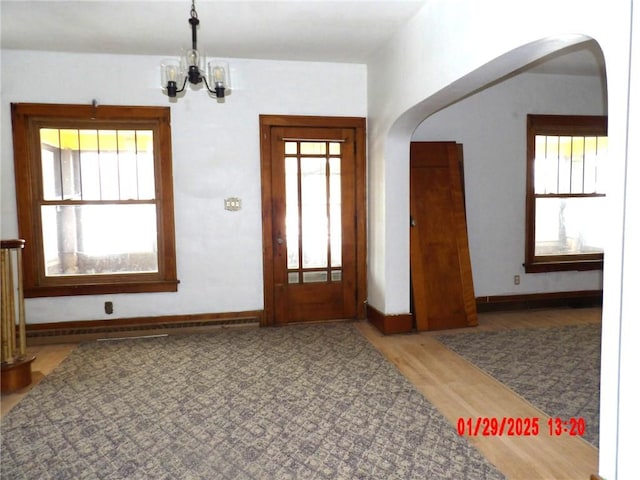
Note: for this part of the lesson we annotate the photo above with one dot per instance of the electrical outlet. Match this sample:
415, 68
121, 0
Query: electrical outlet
516, 279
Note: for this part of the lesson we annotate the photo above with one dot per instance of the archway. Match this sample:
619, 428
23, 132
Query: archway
491, 125
389, 255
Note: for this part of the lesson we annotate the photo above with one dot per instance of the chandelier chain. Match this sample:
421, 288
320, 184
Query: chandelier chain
194, 14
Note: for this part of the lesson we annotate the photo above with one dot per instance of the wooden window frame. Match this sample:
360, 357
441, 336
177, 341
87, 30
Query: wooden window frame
27, 119
562, 125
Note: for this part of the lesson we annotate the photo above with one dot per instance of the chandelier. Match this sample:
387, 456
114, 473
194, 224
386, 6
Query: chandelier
191, 67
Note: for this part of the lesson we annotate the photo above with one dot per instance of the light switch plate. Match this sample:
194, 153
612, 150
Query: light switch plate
233, 204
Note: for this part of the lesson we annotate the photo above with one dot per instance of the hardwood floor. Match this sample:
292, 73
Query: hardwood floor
459, 389
48, 357
456, 388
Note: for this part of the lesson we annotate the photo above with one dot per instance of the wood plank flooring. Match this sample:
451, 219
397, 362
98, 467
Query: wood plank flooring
456, 388
459, 389
48, 357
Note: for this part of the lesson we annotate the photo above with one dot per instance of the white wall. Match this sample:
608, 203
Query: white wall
215, 155
447, 51
491, 125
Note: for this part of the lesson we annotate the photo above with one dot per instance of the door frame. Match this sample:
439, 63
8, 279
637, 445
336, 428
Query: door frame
358, 124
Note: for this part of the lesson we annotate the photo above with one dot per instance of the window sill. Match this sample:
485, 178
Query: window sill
563, 266
102, 289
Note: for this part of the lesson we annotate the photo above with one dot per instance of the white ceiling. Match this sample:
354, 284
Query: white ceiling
341, 31
334, 31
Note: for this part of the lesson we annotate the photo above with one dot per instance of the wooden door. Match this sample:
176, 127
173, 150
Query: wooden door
442, 285
313, 224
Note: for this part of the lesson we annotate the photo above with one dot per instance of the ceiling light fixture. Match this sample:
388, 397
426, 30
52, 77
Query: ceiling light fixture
191, 67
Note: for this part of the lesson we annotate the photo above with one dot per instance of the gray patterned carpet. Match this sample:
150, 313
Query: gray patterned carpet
555, 369
309, 402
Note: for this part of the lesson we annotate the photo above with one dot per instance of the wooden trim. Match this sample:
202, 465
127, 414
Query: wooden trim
568, 124
16, 375
555, 125
103, 288
582, 298
551, 265
97, 328
27, 119
13, 243
311, 121
267, 221
389, 324
358, 124
361, 218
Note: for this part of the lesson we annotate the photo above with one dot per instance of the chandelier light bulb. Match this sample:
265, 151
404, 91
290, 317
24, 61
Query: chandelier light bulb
172, 73
218, 75
193, 58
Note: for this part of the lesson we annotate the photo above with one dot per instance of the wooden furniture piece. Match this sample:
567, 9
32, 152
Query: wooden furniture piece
442, 284
16, 365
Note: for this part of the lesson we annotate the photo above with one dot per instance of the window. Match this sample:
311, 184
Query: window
95, 200
565, 197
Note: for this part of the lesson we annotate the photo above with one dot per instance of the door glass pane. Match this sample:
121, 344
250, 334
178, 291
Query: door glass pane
99, 239
290, 148
335, 197
314, 277
315, 225
313, 148
294, 277
292, 212
313, 196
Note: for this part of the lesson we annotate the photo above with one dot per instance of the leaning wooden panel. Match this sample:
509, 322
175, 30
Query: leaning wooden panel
442, 284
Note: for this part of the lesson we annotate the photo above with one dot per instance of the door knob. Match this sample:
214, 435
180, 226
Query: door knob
279, 241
